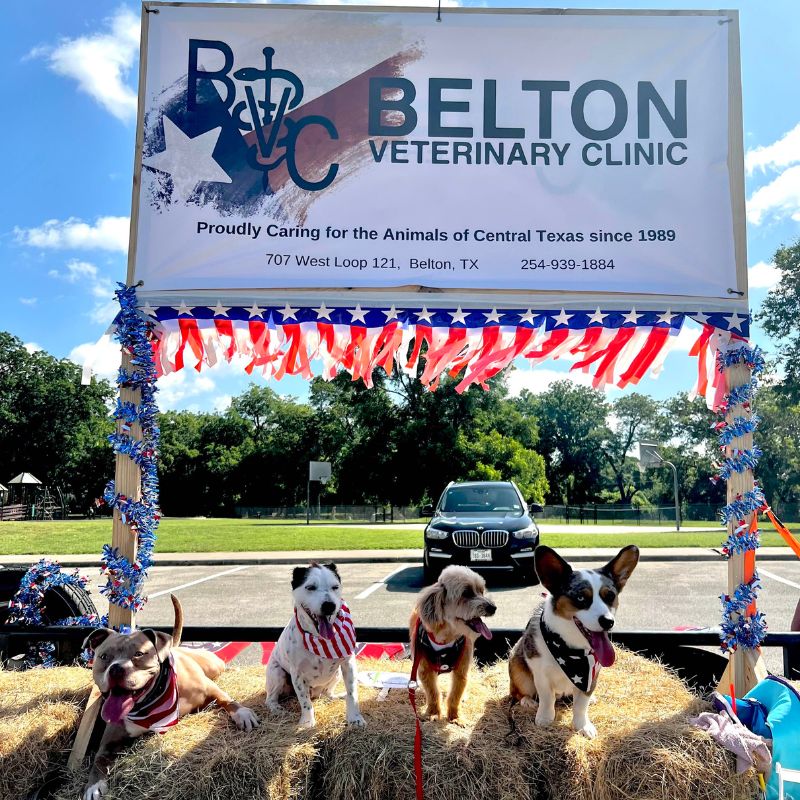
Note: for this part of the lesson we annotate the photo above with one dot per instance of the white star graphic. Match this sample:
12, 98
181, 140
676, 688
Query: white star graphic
597, 317
357, 314
734, 321
667, 316
424, 315
323, 312
289, 313
391, 314
576, 678
561, 661
182, 308
148, 310
188, 161
562, 318
700, 317
256, 311
527, 317
632, 317
458, 316
492, 316
219, 309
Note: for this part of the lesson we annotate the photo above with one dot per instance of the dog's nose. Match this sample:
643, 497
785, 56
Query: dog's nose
489, 609
115, 671
328, 608
606, 623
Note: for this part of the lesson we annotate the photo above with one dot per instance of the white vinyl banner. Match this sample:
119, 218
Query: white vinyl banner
307, 147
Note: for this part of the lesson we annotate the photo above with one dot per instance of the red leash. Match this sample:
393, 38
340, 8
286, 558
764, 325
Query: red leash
412, 698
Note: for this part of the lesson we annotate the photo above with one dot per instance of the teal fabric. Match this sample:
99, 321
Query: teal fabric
782, 702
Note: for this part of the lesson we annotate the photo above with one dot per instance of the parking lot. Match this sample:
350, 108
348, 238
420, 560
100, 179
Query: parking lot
661, 595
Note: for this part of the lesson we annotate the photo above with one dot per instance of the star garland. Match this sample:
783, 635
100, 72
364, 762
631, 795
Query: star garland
26, 607
738, 629
125, 579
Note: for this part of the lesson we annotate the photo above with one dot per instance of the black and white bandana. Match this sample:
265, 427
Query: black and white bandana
442, 656
580, 667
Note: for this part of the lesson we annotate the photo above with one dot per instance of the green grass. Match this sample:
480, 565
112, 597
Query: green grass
242, 535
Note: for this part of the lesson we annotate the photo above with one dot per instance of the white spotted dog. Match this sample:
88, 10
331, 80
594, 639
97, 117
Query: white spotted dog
319, 641
566, 641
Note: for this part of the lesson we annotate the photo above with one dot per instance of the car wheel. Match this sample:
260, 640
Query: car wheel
430, 572
529, 576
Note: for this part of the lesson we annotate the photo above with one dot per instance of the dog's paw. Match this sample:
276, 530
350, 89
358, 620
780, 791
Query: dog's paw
306, 723
588, 730
245, 719
456, 720
543, 720
277, 710
592, 700
529, 702
95, 791
357, 720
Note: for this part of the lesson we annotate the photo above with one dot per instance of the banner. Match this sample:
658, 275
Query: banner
529, 152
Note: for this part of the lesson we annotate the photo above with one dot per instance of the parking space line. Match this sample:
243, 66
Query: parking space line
762, 571
377, 585
200, 580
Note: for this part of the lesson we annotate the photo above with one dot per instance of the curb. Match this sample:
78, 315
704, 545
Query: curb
577, 558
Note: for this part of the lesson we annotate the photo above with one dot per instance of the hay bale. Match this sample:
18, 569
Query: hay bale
645, 748
39, 713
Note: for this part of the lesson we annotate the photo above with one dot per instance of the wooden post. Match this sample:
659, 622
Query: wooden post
748, 665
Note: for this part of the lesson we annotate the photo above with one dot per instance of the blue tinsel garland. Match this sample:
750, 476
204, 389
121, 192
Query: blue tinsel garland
26, 606
737, 628
125, 580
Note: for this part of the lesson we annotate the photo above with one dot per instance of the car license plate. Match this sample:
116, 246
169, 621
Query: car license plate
480, 555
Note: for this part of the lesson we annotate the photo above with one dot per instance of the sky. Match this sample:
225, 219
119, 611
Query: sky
68, 88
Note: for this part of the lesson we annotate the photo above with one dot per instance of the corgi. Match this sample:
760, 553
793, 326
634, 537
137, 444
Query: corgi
566, 640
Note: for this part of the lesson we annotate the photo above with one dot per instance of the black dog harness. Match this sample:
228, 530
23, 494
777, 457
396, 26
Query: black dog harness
441, 657
579, 666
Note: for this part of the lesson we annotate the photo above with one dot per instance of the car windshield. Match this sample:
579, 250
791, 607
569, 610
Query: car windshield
480, 500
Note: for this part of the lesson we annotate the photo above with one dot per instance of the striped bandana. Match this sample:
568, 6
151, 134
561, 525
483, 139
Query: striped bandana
343, 643
158, 709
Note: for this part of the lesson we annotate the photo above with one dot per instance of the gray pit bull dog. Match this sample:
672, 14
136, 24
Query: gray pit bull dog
148, 683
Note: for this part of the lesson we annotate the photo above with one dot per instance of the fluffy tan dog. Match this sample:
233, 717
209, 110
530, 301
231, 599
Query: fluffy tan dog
445, 623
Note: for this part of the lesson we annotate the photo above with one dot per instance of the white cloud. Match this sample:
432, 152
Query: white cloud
763, 275
222, 402
101, 63
538, 379
105, 357
107, 233
178, 387
32, 347
775, 156
100, 287
76, 271
682, 343
779, 198
29, 301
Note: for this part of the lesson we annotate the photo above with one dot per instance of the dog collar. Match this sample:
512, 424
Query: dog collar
441, 657
158, 709
580, 667
343, 643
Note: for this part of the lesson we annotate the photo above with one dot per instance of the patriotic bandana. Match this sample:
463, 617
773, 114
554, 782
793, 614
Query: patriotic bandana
580, 667
441, 657
158, 709
341, 645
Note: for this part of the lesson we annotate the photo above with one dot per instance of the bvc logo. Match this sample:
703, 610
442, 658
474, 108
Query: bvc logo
263, 108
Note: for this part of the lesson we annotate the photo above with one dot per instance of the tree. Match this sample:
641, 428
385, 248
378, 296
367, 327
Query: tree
571, 425
633, 418
50, 424
780, 312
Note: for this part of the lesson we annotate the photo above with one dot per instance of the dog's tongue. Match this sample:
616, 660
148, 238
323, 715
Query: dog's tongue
116, 707
602, 647
479, 626
325, 628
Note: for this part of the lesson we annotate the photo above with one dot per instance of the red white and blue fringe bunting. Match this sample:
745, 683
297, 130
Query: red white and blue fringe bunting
617, 347
742, 624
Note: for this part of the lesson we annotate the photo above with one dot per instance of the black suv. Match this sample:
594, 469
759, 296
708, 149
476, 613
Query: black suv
484, 525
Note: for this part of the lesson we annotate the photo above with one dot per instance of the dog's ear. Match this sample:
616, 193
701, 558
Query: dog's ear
96, 638
333, 568
161, 641
431, 605
620, 567
299, 576
553, 571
